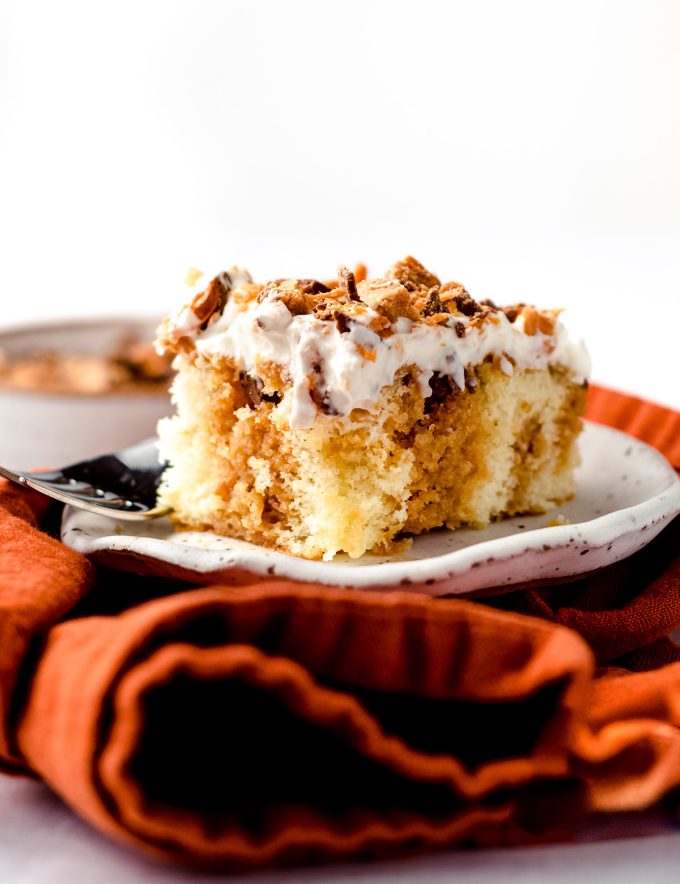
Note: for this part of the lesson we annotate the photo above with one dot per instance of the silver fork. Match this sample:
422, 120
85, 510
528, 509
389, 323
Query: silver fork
121, 485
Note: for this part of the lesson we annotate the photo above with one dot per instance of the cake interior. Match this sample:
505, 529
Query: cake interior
504, 445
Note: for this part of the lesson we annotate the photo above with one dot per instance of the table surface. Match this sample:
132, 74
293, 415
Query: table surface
42, 842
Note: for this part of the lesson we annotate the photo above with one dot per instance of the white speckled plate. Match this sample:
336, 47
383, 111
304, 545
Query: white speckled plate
625, 493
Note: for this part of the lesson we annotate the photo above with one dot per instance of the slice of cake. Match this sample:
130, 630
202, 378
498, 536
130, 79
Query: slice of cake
316, 417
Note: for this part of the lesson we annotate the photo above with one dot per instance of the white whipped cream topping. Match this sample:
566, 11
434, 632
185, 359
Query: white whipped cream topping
184, 322
315, 350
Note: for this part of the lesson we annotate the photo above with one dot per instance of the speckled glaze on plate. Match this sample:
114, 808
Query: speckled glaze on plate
625, 493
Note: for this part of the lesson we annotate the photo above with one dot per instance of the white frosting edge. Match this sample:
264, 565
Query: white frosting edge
313, 349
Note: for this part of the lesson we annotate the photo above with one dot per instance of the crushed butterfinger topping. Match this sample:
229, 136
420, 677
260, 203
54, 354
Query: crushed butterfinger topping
530, 316
412, 275
313, 286
407, 291
348, 282
211, 301
293, 296
433, 305
389, 298
360, 272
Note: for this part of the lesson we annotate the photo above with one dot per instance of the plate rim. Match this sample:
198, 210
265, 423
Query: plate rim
607, 528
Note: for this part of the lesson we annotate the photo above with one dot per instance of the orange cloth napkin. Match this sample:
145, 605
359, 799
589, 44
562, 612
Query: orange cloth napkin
280, 722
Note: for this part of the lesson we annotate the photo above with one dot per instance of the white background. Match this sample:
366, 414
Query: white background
528, 149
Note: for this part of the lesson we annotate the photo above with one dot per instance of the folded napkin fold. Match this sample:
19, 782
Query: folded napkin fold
282, 722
